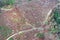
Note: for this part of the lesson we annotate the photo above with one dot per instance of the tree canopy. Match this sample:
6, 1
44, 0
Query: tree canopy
57, 15
6, 2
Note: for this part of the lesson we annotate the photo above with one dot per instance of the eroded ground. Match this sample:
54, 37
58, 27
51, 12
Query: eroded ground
25, 20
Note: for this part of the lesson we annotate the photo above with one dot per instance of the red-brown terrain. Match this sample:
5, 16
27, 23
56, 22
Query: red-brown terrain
29, 18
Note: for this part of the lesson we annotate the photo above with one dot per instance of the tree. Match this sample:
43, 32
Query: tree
57, 14
6, 2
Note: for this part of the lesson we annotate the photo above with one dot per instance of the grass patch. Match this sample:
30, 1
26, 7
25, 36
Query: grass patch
40, 35
5, 31
11, 39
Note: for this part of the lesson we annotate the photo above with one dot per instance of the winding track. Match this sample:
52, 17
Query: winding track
30, 29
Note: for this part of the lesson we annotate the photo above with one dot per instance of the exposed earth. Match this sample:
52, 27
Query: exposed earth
26, 19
